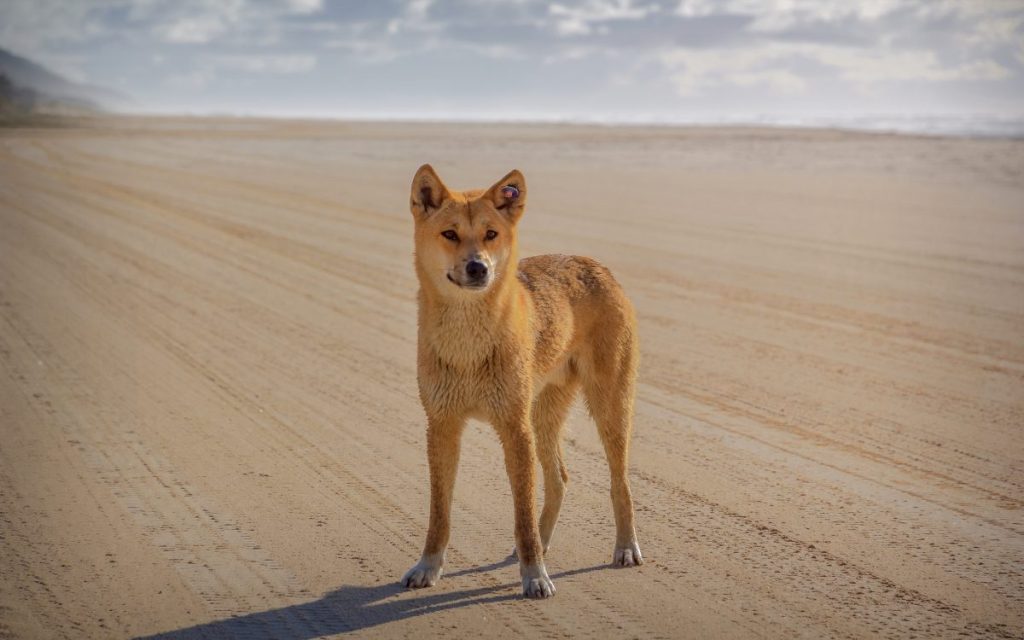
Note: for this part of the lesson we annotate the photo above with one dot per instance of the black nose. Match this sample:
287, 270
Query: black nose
476, 270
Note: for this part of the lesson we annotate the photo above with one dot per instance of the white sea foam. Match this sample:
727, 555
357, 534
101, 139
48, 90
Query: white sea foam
963, 125
946, 125
960, 125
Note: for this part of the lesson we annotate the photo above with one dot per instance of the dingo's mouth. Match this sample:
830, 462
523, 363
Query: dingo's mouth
470, 286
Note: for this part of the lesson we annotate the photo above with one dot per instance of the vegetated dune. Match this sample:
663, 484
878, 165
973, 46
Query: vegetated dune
209, 424
31, 94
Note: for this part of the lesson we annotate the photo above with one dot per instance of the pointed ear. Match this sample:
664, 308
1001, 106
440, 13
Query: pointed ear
509, 195
428, 192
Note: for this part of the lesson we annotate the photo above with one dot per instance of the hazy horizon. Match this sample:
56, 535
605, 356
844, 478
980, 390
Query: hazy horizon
617, 61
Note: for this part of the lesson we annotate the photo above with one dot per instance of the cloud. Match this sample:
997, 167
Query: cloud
415, 17
696, 71
977, 20
368, 50
578, 20
192, 21
304, 6
191, 80
193, 30
991, 32
206, 21
287, 64
793, 46
572, 54
565, 51
771, 15
27, 19
867, 67
209, 69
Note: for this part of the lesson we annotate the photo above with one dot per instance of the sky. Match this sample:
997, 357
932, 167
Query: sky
615, 60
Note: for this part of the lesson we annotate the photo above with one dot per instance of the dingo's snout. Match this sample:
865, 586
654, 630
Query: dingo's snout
476, 273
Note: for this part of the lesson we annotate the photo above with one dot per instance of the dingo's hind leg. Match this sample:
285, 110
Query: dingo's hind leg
550, 409
608, 386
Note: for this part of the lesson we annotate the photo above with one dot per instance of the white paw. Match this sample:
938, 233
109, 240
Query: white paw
536, 583
425, 574
628, 556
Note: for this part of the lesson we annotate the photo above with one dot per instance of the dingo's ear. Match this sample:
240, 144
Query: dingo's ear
428, 192
509, 195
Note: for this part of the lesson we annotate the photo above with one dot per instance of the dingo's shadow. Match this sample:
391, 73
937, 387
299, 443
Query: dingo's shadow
351, 608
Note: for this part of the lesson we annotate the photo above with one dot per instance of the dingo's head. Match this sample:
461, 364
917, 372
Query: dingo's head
465, 241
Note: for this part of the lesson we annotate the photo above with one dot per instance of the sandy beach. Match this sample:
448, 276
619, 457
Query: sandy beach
209, 424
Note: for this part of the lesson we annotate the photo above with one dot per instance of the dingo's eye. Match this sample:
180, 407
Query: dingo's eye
491, 234
451, 235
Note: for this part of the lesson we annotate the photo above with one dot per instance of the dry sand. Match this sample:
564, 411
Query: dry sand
208, 415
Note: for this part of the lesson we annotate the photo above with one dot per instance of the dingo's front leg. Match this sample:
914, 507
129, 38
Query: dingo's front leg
443, 442
517, 440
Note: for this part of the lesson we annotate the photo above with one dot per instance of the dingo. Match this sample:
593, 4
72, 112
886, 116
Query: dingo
511, 342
